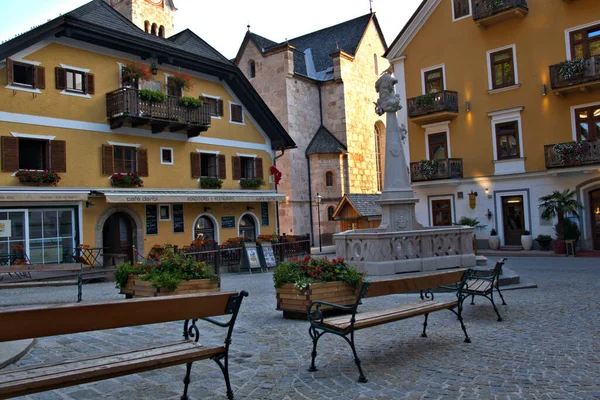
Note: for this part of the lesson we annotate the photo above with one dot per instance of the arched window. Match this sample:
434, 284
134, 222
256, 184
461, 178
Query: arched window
330, 211
147, 26
379, 149
375, 65
251, 69
328, 178
204, 229
161, 31
154, 30
248, 228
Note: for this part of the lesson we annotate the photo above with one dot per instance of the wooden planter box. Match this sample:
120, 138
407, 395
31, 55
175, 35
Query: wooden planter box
128, 289
140, 288
294, 302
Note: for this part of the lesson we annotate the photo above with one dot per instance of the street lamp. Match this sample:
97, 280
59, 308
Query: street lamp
318, 198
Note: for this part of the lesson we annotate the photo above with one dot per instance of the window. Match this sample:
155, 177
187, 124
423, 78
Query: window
375, 64
588, 123
246, 166
164, 212
248, 170
330, 211
51, 236
507, 140
460, 9
585, 42
27, 75
208, 165
438, 146
154, 30
33, 154
173, 91
147, 26
248, 228
237, 113
329, 179
434, 80
441, 214
216, 105
502, 68
74, 80
23, 74
125, 159
161, 31
204, 229
166, 156
251, 69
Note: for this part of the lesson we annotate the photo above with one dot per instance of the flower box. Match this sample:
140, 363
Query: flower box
211, 183
142, 288
127, 290
294, 302
126, 180
251, 183
37, 177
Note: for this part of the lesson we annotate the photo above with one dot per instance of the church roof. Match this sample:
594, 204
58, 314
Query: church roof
325, 143
262, 42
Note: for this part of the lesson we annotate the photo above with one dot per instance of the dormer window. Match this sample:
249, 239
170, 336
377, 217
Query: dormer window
251, 69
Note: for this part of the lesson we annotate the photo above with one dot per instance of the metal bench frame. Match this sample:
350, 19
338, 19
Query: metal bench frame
484, 286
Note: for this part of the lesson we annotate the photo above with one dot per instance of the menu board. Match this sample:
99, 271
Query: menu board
268, 255
178, 222
151, 219
264, 214
228, 222
250, 260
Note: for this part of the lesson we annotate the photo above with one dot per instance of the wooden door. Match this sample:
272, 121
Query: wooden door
441, 212
438, 146
513, 220
118, 235
595, 203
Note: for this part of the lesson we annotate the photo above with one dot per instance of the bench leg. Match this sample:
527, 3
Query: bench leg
424, 334
186, 381
315, 335
494, 304
502, 297
362, 378
225, 369
462, 324
472, 299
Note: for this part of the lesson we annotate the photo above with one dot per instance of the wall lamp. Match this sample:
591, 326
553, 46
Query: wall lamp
489, 214
207, 209
154, 69
89, 204
468, 106
249, 208
544, 90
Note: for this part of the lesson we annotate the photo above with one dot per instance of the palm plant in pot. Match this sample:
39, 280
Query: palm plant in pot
494, 240
526, 240
559, 204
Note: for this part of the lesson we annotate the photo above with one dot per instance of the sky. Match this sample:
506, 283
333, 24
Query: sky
223, 23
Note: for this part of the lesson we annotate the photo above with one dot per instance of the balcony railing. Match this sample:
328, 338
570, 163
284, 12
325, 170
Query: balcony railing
487, 12
125, 105
575, 74
433, 103
572, 154
430, 170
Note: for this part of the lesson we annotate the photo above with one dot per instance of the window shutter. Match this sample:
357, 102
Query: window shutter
259, 168
40, 77
220, 108
237, 168
61, 78
195, 164
222, 167
58, 155
108, 167
142, 159
10, 154
90, 84
9, 71
234, 113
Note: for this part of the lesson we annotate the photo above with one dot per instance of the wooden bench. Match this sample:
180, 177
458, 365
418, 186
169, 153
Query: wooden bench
46, 268
346, 325
476, 285
39, 322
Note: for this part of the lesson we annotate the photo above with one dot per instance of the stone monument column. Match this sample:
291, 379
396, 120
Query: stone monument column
397, 198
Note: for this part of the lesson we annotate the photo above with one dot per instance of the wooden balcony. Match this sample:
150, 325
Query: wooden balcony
490, 12
572, 154
449, 168
433, 107
589, 78
125, 106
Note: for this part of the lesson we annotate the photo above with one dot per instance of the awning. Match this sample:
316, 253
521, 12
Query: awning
43, 195
191, 196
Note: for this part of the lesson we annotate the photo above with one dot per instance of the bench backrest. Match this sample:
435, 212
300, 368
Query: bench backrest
42, 268
413, 283
35, 322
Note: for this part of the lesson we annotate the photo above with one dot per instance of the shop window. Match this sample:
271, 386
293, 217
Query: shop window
330, 211
237, 113
204, 229
51, 236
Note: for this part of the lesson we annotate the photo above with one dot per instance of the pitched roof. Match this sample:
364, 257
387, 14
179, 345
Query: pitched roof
325, 143
411, 27
262, 42
364, 204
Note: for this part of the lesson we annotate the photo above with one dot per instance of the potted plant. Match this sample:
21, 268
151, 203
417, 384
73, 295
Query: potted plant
37, 177
127, 179
544, 241
571, 69
558, 204
179, 82
133, 73
526, 240
211, 183
251, 183
174, 273
190, 102
300, 281
427, 168
494, 240
153, 96
424, 101
572, 152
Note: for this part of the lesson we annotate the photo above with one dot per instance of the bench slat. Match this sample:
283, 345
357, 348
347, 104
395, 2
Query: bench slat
414, 283
43, 268
48, 377
373, 318
20, 285
479, 285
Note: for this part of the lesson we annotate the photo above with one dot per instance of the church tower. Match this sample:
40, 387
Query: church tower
152, 16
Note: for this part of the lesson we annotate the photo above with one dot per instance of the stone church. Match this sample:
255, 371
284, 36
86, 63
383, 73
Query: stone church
153, 16
321, 87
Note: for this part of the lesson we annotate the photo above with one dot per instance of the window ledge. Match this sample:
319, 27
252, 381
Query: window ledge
84, 95
215, 117
237, 123
504, 89
23, 89
509, 160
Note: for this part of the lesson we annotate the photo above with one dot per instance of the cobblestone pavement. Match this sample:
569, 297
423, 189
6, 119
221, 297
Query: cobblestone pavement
547, 347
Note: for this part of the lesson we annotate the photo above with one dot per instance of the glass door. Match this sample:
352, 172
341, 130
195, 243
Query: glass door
513, 220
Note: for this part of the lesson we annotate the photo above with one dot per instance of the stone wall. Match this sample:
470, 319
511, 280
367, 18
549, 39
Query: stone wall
139, 11
320, 164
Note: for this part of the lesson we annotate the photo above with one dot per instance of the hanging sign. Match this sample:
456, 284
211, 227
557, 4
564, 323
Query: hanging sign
151, 220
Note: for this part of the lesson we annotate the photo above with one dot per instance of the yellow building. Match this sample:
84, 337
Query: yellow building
74, 115
496, 117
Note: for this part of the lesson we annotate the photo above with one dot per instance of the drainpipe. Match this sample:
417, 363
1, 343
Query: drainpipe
277, 202
312, 234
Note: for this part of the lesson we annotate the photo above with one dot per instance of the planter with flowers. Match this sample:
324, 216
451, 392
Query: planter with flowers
133, 73
427, 168
172, 274
37, 177
179, 82
126, 180
211, 183
251, 183
299, 282
571, 153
